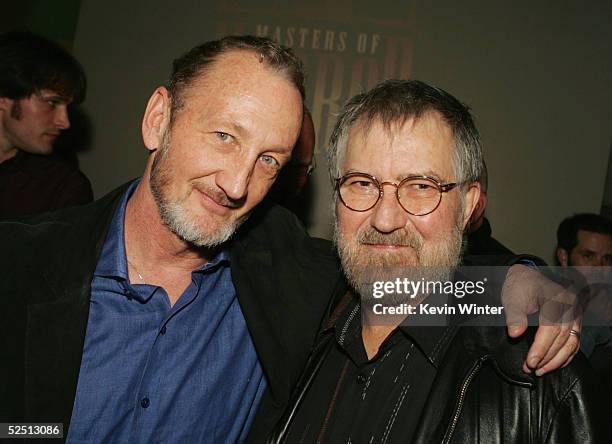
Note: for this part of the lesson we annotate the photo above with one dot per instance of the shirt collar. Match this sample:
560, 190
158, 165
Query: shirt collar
113, 259
429, 339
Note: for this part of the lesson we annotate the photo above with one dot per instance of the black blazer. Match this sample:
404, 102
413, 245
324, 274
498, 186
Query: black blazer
283, 280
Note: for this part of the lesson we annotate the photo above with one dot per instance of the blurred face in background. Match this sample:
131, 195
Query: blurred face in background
593, 249
33, 124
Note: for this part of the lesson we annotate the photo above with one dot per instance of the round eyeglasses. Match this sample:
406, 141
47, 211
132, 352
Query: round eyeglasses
417, 195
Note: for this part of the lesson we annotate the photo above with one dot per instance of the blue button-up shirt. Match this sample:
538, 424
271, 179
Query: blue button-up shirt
155, 373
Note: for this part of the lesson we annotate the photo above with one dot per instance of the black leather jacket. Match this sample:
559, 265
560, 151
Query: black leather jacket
481, 395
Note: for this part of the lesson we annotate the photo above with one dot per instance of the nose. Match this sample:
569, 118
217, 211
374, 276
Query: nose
388, 215
61, 117
234, 179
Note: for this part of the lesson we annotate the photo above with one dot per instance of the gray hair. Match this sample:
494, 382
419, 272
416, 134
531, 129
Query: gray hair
395, 101
190, 66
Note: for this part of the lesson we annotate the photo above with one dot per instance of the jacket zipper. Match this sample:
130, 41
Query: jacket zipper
464, 387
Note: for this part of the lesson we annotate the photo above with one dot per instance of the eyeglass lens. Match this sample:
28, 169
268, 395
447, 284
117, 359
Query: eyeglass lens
418, 196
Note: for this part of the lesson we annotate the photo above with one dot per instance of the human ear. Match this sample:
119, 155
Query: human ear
156, 118
6, 104
562, 256
470, 201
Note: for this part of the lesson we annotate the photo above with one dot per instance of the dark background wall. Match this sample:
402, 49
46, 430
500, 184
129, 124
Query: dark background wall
536, 74
55, 20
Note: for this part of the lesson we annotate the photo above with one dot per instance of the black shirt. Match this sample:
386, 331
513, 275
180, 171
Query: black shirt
354, 399
32, 184
481, 242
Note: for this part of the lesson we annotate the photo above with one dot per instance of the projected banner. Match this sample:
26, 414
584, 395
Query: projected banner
342, 57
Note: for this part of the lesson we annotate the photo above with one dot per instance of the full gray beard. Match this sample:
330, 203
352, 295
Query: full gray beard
362, 266
175, 216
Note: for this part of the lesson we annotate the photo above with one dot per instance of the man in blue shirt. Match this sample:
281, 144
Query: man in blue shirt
162, 290
160, 334
133, 319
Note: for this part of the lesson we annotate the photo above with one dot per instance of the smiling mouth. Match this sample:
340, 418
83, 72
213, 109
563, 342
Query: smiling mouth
221, 208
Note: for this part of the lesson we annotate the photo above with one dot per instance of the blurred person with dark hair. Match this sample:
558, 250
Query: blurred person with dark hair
38, 82
290, 188
585, 240
479, 234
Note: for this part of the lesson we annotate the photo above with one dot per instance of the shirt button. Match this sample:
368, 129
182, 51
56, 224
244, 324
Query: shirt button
145, 402
361, 379
163, 330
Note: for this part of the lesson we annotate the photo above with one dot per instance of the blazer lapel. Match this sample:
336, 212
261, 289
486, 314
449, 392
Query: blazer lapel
58, 311
54, 345
253, 278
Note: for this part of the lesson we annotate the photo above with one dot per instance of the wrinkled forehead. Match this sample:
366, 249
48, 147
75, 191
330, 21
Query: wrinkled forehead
421, 145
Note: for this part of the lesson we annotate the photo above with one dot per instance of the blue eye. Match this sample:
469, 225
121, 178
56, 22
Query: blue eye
269, 160
224, 137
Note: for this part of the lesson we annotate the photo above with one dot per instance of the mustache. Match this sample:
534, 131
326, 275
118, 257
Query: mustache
401, 238
219, 196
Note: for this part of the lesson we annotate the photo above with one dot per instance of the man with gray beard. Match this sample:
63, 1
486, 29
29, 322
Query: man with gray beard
405, 158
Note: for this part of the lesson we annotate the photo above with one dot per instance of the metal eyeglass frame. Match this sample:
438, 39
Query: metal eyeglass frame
442, 188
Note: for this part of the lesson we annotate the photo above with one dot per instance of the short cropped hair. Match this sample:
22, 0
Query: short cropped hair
395, 101
190, 66
567, 233
30, 63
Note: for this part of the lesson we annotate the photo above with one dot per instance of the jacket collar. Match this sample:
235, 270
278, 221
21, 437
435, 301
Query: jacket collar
467, 350
348, 327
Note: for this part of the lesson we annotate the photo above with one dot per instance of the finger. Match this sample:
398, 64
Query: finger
562, 339
564, 347
577, 327
518, 298
516, 330
545, 339
556, 319
516, 315
571, 358
562, 358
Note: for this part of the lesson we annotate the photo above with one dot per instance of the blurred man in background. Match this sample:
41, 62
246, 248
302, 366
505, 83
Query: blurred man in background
291, 188
38, 82
585, 240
